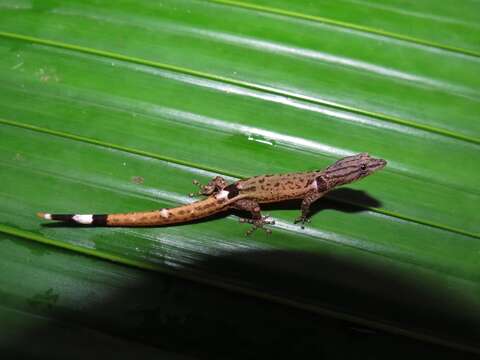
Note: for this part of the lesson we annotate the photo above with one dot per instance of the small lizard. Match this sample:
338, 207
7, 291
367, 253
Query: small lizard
245, 195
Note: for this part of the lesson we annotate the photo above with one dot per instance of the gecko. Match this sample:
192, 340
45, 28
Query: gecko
246, 194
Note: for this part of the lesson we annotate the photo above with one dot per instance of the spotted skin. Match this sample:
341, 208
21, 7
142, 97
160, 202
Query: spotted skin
246, 194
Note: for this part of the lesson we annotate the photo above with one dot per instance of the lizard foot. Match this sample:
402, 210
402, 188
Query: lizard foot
258, 224
302, 219
212, 187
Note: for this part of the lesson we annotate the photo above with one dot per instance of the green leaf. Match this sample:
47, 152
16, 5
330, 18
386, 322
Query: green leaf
64, 301
53, 303
116, 108
455, 23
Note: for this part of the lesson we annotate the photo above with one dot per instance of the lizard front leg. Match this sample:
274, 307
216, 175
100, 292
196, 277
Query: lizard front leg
307, 201
258, 221
214, 186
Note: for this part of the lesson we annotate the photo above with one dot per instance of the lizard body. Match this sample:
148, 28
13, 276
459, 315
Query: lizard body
246, 194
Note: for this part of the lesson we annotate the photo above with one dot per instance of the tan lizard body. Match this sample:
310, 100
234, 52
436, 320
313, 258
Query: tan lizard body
245, 195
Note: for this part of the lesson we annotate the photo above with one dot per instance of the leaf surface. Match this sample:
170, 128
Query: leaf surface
123, 117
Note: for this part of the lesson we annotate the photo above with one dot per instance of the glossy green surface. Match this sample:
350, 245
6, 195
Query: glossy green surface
125, 116
308, 60
57, 304
71, 306
455, 22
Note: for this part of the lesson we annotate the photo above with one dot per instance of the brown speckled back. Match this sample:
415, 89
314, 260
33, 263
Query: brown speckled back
271, 188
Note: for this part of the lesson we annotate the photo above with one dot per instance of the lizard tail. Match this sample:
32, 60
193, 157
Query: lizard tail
184, 213
86, 219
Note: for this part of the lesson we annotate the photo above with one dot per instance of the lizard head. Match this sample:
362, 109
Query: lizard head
352, 168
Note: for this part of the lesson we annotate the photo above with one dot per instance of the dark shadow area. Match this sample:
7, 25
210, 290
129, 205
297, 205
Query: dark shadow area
356, 289
343, 199
351, 200
206, 322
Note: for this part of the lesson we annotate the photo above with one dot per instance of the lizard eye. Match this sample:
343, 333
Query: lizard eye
363, 167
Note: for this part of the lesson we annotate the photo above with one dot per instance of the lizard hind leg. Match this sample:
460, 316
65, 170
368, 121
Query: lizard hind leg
257, 220
214, 186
